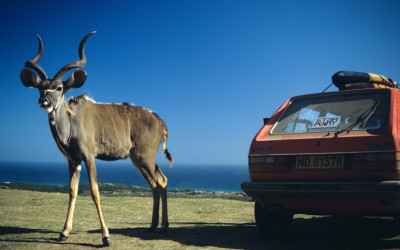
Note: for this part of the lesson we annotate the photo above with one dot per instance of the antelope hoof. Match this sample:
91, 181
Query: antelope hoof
106, 241
151, 229
62, 237
164, 229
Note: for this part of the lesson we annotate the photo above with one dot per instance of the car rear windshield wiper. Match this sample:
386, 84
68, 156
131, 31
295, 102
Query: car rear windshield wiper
370, 114
363, 120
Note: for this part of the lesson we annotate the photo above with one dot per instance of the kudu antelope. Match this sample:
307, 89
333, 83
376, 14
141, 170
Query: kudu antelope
85, 130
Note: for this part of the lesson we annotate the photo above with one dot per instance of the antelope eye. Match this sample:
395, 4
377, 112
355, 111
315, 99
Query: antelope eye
59, 88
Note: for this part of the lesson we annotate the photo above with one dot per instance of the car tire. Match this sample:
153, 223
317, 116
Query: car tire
396, 218
274, 220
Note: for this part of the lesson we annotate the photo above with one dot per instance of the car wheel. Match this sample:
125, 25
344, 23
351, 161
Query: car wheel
272, 220
396, 218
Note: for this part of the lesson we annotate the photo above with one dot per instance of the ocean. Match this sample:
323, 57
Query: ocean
223, 178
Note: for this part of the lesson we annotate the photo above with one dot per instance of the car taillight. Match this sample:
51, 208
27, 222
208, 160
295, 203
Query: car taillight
267, 163
376, 162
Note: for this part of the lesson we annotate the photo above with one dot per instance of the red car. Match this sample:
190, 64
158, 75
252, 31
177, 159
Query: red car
329, 153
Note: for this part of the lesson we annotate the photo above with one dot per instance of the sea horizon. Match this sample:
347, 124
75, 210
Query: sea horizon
201, 177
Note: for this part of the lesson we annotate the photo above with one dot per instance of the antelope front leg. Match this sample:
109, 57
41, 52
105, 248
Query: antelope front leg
74, 175
94, 188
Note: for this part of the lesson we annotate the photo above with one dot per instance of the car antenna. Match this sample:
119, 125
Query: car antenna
327, 88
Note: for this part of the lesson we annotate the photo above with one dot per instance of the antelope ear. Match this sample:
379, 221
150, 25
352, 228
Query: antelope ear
75, 80
29, 79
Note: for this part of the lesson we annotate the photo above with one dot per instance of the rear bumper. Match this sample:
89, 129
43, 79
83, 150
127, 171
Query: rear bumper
325, 190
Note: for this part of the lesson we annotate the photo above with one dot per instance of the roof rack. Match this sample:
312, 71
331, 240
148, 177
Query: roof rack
357, 80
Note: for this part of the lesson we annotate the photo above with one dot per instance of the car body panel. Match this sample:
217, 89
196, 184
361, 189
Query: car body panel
354, 171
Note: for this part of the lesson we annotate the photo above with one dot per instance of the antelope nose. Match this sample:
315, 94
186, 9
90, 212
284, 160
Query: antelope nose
45, 101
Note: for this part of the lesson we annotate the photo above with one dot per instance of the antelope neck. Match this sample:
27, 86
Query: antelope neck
60, 123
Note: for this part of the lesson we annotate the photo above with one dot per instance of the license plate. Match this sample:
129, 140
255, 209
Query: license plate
320, 162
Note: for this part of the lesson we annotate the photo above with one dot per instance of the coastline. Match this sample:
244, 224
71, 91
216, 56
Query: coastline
122, 190
219, 178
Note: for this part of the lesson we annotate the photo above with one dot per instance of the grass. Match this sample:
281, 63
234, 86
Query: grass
33, 220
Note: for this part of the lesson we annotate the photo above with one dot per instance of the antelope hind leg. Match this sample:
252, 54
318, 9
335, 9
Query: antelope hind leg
162, 189
156, 208
157, 183
164, 222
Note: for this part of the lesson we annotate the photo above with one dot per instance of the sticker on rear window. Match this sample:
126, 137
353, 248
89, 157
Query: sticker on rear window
326, 122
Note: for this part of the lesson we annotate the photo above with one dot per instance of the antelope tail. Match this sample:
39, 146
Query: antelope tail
165, 150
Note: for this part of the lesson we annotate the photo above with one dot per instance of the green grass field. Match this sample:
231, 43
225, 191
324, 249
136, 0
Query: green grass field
33, 220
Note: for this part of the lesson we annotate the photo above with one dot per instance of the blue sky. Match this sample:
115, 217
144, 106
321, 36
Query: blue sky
211, 69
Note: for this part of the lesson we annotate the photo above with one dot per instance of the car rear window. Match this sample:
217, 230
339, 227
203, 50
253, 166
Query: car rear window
333, 112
